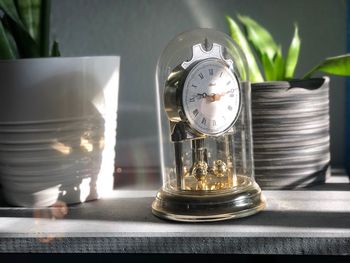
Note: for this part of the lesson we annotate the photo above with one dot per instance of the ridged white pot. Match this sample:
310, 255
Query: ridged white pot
57, 129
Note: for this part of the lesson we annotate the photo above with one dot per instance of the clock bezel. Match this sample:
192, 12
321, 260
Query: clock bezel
184, 114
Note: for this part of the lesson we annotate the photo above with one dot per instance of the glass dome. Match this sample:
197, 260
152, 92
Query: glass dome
204, 120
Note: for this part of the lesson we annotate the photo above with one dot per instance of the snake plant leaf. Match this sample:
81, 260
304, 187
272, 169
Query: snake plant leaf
9, 8
29, 12
45, 10
29, 23
12, 42
259, 37
240, 39
6, 50
55, 51
293, 54
339, 65
27, 47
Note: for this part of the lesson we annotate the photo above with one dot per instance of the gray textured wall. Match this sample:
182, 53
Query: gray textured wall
138, 30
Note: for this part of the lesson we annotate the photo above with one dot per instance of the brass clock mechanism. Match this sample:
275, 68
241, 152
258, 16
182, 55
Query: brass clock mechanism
202, 98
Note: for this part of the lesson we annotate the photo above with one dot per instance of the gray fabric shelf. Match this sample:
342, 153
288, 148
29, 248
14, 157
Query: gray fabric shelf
315, 221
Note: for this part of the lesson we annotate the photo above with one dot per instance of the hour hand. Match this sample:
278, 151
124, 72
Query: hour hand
198, 96
211, 97
202, 95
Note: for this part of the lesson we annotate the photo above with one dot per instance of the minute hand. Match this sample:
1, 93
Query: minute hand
217, 96
202, 95
211, 98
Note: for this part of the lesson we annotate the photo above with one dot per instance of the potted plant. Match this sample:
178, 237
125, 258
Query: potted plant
57, 114
290, 115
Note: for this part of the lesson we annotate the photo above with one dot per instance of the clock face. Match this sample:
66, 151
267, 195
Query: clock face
211, 97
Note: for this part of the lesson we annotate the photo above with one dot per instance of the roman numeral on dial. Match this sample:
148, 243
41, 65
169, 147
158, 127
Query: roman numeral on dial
204, 121
195, 112
201, 75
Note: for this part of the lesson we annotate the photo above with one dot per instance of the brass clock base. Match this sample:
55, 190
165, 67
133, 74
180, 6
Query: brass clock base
205, 206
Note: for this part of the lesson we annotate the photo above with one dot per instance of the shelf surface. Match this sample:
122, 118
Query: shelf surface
313, 221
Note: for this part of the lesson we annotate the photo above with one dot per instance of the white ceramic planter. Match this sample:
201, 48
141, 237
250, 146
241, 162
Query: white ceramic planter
58, 129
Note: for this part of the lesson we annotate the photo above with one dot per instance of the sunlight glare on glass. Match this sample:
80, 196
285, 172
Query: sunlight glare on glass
201, 12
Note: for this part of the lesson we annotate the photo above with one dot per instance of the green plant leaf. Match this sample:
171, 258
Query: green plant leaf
274, 70
339, 65
240, 39
259, 37
12, 42
279, 65
268, 68
29, 12
9, 8
45, 12
27, 47
6, 50
293, 55
55, 51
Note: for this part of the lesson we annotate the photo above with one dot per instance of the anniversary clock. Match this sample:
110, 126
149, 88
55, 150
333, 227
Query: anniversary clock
205, 133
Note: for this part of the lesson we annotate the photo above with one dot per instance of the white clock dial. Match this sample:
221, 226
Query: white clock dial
211, 97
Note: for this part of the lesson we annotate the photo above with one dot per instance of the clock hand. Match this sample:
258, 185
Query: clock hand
202, 95
213, 96
227, 92
216, 97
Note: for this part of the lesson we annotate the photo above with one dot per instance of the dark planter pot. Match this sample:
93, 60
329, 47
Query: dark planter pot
291, 133
347, 121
